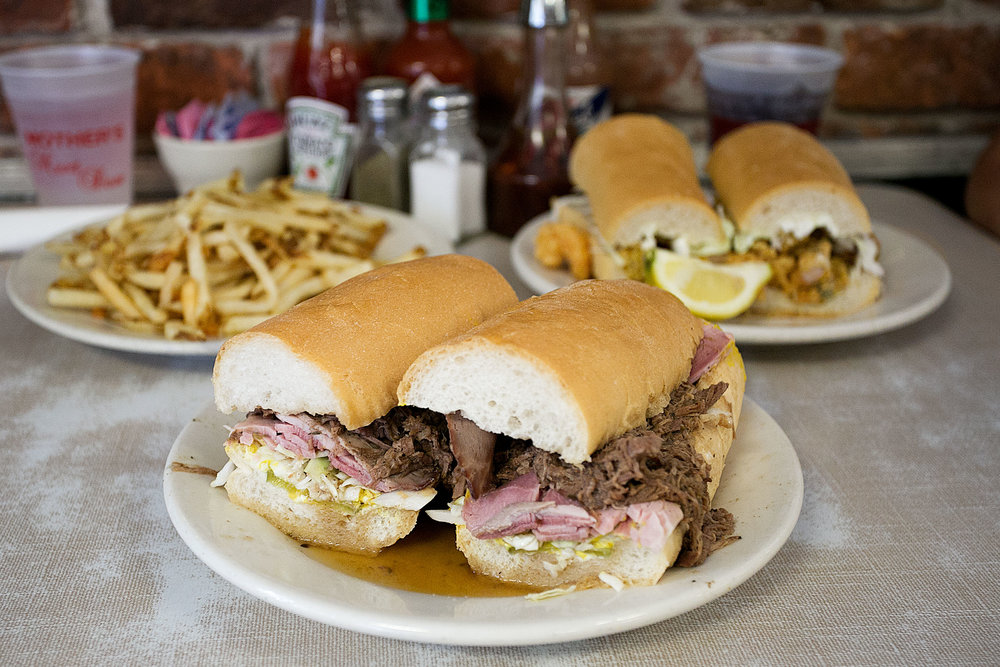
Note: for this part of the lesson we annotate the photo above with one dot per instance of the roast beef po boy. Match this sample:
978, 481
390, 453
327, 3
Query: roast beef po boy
324, 453
590, 426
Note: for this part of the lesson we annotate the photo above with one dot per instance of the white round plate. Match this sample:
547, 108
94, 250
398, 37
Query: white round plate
917, 281
761, 486
31, 275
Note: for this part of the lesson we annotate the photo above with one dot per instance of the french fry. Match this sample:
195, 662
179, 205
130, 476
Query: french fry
171, 281
114, 294
216, 260
71, 297
144, 304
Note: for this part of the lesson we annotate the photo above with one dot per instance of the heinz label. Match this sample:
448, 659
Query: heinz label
321, 145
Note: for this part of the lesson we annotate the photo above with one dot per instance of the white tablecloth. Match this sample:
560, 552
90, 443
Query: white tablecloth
893, 560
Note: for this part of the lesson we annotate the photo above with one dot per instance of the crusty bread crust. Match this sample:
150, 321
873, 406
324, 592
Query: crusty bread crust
570, 369
762, 172
718, 430
344, 351
630, 562
639, 174
322, 524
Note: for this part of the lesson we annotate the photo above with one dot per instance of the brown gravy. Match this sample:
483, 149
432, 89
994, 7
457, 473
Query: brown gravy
425, 561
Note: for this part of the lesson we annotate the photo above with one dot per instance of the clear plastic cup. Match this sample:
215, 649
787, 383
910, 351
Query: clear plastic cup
753, 81
74, 108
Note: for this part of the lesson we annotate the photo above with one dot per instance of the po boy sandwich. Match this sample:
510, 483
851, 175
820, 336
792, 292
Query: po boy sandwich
793, 206
325, 454
590, 426
639, 176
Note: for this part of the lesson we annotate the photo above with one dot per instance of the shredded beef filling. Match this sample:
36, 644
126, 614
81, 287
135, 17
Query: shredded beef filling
408, 446
653, 462
415, 443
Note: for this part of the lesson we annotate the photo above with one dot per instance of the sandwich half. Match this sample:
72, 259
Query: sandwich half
794, 206
639, 176
590, 427
324, 452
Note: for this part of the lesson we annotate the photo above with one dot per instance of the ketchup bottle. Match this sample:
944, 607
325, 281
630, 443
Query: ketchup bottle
329, 62
429, 47
531, 166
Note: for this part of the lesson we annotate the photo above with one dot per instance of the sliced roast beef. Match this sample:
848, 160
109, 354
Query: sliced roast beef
473, 451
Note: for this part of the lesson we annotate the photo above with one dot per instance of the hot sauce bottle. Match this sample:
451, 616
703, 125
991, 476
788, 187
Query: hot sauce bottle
531, 166
329, 61
428, 47
587, 74
327, 69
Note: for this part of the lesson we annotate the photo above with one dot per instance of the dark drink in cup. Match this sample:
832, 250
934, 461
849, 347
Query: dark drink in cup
747, 82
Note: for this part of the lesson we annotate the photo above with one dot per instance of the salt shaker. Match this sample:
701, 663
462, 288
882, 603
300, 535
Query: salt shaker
448, 165
380, 164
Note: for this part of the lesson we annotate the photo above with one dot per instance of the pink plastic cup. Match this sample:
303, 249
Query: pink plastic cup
74, 108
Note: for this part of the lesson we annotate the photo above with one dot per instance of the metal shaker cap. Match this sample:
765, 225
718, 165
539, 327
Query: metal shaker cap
448, 97
383, 89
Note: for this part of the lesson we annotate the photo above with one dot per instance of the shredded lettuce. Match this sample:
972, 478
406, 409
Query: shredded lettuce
315, 480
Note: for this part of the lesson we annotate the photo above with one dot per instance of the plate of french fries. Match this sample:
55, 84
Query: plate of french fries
179, 277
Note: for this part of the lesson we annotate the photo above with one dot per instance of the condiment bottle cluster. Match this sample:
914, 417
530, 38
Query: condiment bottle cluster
407, 139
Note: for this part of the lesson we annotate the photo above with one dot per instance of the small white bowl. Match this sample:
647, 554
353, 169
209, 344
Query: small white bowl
192, 163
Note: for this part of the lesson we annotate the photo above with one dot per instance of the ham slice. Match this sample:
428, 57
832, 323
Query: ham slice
508, 510
650, 524
713, 344
564, 520
519, 507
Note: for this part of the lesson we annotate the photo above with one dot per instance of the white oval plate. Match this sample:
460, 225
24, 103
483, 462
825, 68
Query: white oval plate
761, 486
31, 275
917, 281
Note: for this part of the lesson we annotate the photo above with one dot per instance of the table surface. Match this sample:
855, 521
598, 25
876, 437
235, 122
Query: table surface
893, 559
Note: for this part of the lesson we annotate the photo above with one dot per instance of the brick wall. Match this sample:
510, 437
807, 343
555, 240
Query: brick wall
914, 68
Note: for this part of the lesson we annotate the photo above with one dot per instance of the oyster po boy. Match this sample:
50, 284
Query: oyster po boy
641, 183
324, 453
590, 426
794, 206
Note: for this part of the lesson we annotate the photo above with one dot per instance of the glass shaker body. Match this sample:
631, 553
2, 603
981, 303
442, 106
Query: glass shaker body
448, 165
380, 162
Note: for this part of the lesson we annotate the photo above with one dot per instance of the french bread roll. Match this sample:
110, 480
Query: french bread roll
568, 370
366, 531
629, 562
779, 184
769, 176
639, 174
341, 353
344, 351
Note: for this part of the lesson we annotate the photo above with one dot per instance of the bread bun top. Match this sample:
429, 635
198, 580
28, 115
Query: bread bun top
770, 176
344, 351
639, 174
569, 370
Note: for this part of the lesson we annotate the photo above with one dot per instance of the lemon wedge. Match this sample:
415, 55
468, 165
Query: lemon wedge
712, 291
